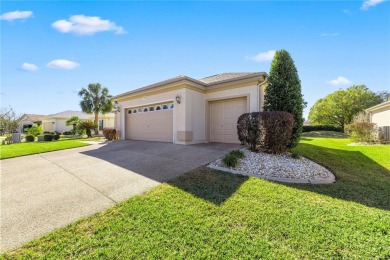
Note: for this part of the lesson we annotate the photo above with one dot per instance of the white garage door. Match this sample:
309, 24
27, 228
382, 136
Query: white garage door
223, 119
150, 123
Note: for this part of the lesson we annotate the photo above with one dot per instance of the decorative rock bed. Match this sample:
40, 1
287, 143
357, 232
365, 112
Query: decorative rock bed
281, 168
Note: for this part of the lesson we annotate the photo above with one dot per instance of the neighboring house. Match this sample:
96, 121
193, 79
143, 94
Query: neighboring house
184, 110
57, 122
28, 121
380, 115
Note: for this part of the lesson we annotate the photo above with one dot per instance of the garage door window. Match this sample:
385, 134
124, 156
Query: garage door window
129, 112
158, 108
134, 111
139, 110
151, 109
165, 107
146, 109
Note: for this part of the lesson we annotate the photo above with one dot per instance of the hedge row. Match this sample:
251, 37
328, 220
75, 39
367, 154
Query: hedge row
309, 128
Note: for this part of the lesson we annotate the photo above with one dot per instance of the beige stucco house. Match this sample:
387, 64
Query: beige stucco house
28, 120
380, 115
57, 122
184, 110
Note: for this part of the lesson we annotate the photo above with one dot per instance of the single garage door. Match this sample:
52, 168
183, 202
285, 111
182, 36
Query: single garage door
223, 119
151, 123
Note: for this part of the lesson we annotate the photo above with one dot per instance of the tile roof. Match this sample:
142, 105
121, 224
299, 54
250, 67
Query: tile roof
205, 82
225, 76
80, 114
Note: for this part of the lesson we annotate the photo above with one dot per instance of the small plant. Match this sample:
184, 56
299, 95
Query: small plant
30, 138
48, 137
56, 137
87, 125
238, 153
46, 132
109, 133
67, 133
295, 155
230, 160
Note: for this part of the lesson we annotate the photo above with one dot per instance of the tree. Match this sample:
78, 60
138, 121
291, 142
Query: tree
95, 100
283, 92
340, 107
9, 122
73, 121
87, 125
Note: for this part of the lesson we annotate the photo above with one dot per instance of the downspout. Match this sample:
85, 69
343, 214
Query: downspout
258, 91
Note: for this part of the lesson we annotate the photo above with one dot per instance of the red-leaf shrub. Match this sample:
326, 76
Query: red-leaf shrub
109, 133
248, 129
276, 128
270, 130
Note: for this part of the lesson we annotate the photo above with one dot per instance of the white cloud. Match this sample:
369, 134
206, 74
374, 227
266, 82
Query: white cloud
329, 34
29, 67
339, 81
86, 25
262, 56
10, 16
369, 3
62, 64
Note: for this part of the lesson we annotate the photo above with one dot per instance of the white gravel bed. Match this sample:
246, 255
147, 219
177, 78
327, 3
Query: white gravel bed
276, 167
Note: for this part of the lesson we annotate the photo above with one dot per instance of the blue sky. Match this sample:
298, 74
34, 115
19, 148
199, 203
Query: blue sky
49, 50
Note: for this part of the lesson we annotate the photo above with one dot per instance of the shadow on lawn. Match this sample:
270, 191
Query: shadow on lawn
358, 178
210, 185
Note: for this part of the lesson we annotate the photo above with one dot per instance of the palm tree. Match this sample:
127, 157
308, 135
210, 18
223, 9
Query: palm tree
95, 100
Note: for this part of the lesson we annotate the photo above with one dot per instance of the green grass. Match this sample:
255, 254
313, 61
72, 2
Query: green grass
211, 214
22, 149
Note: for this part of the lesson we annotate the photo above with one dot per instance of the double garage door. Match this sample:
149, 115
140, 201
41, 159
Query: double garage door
155, 123
223, 119
152, 123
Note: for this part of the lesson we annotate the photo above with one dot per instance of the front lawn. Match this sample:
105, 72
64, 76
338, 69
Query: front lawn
21, 149
211, 214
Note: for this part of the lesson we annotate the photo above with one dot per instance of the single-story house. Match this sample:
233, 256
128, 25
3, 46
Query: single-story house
27, 121
57, 122
184, 110
380, 115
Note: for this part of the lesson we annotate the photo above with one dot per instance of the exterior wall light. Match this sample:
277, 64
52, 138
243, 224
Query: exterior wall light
178, 99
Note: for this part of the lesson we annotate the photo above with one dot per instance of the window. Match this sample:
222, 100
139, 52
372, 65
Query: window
101, 125
172, 106
165, 107
146, 109
129, 112
158, 107
140, 110
151, 108
134, 111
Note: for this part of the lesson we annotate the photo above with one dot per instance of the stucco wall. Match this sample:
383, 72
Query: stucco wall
381, 117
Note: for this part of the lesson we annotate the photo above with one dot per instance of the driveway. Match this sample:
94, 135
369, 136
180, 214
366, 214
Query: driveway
40, 193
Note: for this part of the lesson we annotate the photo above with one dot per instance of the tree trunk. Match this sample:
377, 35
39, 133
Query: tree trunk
97, 123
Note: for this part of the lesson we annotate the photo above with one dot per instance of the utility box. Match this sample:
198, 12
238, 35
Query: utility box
16, 138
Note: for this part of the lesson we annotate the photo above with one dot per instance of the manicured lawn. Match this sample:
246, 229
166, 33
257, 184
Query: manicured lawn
21, 149
211, 214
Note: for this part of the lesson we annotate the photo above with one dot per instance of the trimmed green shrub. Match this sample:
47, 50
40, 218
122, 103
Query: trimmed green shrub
67, 133
46, 132
56, 137
34, 131
109, 133
230, 160
30, 138
277, 129
309, 128
238, 153
48, 137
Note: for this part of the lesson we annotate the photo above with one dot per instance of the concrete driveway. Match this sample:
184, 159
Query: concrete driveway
40, 193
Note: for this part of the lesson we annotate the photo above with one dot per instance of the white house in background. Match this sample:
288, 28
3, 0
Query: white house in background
57, 122
28, 121
185, 110
380, 115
